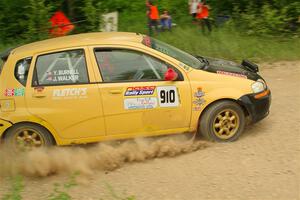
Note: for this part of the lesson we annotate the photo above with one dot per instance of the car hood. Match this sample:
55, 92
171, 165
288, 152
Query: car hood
230, 68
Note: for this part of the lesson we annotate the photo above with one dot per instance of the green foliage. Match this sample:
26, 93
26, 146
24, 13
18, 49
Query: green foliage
92, 14
16, 189
228, 44
38, 15
29, 19
266, 19
116, 196
60, 191
12, 21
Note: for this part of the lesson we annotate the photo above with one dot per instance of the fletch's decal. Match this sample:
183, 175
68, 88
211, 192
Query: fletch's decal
199, 100
137, 91
232, 74
168, 96
140, 103
14, 92
70, 93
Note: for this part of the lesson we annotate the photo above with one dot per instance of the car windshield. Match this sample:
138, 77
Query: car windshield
173, 52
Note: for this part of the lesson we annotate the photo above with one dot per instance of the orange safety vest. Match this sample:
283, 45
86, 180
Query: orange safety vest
204, 11
153, 13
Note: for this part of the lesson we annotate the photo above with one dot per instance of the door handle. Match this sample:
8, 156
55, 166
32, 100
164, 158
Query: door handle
39, 95
115, 91
39, 92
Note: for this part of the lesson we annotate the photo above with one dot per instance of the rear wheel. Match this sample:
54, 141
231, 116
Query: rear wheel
28, 136
223, 121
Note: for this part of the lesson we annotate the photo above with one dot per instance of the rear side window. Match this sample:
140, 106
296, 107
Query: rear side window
21, 70
62, 68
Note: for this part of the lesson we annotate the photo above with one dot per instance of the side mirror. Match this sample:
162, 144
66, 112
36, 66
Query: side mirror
171, 75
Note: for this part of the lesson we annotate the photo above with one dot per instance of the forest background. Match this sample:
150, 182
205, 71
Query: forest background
257, 29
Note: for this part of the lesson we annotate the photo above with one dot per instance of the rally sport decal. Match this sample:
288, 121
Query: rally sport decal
139, 91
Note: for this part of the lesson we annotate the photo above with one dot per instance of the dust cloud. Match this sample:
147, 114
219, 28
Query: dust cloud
88, 159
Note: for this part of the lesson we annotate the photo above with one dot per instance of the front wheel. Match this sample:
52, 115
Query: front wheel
28, 136
224, 121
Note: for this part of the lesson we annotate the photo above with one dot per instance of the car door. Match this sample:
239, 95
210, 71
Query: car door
62, 94
136, 98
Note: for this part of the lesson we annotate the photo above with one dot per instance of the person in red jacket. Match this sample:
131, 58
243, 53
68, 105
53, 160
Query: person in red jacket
153, 16
203, 14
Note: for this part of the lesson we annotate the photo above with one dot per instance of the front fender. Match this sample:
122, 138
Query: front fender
223, 93
210, 97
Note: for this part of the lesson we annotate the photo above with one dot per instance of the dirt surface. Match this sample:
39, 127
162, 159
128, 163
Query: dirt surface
264, 164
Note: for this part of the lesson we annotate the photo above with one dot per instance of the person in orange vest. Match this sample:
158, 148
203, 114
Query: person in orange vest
153, 16
203, 14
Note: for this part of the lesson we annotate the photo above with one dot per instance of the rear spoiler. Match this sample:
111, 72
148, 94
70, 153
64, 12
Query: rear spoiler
4, 55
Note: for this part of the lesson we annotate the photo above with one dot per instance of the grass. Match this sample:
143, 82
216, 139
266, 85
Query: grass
223, 43
231, 45
60, 190
16, 189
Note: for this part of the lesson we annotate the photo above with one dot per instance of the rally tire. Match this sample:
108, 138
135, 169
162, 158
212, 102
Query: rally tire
28, 136
223, 121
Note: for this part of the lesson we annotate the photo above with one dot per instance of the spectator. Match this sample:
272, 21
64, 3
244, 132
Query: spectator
202, 16
166, 21
153, 16
193, 9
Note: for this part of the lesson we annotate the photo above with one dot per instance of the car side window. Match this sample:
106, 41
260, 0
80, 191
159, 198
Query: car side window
21, 70
119, 65
61, 68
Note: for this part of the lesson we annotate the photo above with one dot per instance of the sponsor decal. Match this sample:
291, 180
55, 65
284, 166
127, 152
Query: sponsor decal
168, 96
7, 105
140, 103
63, 75
69, 93
199, 100
137, 91
184, 66
232, 74
17, 92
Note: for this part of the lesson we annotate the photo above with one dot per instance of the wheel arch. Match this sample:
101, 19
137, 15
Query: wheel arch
218, 100
53, 136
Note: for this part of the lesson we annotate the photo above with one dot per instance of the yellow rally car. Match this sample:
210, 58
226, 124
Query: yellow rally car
101, 86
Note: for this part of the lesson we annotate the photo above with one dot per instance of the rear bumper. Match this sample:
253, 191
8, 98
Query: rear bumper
4, 125
257, 106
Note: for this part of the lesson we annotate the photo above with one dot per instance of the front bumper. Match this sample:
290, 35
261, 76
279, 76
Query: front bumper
257, 106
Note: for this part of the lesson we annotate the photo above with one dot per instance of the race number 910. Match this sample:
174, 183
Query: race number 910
168, 96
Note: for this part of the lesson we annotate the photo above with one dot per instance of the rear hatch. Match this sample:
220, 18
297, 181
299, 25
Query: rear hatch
3, 58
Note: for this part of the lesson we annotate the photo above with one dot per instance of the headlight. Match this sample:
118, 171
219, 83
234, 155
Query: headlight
258, 86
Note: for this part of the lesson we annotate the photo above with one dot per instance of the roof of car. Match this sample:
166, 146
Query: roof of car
79, 40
